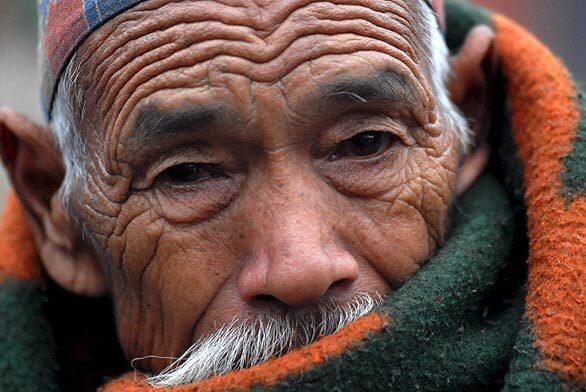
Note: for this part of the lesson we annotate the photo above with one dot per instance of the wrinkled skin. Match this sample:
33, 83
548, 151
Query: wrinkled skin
228, 167
282, 223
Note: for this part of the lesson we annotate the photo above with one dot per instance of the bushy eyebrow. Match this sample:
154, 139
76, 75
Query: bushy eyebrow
384, 86
154, 122
154, 125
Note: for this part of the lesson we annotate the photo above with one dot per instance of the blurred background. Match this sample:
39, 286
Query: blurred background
560, 24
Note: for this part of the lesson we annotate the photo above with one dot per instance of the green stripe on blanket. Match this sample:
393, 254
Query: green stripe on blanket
523, 374
27, 361
574, 175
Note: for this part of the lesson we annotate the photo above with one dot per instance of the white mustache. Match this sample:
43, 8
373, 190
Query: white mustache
245, 343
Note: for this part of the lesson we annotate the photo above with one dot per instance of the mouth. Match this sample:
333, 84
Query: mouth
244, 343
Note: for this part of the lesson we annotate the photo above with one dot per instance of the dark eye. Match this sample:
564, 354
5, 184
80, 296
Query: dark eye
187, 173
365, 144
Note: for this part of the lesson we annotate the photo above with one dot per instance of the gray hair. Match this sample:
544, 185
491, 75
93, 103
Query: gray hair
68, 109
439, 66
242, 344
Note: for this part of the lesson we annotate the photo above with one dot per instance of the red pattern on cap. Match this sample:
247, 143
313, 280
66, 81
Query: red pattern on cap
65, 23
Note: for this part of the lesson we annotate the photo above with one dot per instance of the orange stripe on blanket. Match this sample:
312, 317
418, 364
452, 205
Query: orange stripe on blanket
275, 370
545, 117
18, 253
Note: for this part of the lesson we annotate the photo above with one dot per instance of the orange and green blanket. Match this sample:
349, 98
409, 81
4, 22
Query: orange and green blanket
501, 306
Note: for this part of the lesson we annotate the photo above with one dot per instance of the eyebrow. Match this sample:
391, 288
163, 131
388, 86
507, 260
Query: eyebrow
153, 122
386, 85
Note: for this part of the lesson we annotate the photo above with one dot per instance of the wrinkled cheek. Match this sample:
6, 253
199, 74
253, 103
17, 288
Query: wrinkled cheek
400, 231
162, 274
162, 293
437, 199
135, 268
191, 207
430, 185
158, 303
406, 244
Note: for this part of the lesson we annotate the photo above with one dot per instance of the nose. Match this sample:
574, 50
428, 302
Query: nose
294, 276
296, 257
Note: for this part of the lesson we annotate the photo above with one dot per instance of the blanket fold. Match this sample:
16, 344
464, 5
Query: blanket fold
500, 307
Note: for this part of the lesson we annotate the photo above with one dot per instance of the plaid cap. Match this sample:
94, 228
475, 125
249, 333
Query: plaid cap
65, 24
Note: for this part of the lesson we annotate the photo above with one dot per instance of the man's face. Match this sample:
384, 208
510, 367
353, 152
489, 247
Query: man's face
257, 156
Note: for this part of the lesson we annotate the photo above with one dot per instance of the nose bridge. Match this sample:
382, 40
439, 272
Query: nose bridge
295, 244
296, 230
287, 182
295, 219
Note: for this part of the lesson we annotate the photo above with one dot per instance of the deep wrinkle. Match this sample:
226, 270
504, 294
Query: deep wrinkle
259, 100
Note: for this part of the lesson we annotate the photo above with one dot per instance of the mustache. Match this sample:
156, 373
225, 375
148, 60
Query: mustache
244, 343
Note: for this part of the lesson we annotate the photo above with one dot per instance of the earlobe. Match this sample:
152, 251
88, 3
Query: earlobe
36, 171
67, 259
473, 165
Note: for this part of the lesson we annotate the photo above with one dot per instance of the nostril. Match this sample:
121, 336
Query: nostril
263, 300
341, 285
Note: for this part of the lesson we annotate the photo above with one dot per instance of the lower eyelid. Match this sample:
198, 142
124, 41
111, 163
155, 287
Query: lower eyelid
146, 180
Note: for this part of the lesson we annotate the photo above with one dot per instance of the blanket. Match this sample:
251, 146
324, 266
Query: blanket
501, 306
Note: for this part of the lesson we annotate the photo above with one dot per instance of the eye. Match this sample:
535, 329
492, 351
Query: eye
189, 173
365, 144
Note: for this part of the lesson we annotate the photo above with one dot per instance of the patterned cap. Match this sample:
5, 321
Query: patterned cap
65, 24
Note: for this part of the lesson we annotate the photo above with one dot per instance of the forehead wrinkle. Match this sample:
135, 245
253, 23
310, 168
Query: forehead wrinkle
183, 13
132, 47
176, 14
153, 5
112, 82
147, 49
269, 79
330, 19
255, 67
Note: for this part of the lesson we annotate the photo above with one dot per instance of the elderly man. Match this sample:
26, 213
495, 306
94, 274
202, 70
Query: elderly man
288, 195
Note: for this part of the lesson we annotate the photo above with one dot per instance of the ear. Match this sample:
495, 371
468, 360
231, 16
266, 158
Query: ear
470, 85
36, 170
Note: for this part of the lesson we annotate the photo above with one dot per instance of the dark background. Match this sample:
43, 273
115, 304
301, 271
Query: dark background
561, 24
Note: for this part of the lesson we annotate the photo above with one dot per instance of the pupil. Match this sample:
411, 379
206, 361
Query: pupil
367, 143
187, 172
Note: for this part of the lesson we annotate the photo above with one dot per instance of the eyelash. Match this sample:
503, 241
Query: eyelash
190, 173
350, 148
185, 174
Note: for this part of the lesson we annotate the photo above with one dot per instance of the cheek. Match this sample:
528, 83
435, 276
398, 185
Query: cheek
165, 295
403, 215
163, 276
199, 204
392, 237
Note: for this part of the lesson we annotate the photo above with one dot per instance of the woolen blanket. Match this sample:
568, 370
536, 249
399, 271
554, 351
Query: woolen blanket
501, 306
